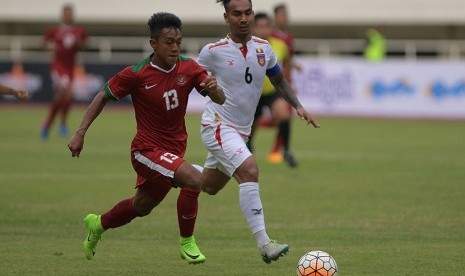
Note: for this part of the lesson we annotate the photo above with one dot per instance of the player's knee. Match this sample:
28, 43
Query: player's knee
193, 181
248, 174
142, 210
143, 207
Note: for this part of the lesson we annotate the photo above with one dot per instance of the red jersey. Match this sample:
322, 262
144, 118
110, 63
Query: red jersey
67, 40
160, 100
286, 37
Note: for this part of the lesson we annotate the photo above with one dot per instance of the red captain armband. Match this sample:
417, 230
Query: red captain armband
204, 92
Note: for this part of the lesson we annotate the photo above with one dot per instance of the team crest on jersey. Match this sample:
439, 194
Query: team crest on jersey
181, 79
260, 56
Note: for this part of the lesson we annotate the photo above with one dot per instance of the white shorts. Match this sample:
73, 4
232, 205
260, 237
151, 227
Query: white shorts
226, 148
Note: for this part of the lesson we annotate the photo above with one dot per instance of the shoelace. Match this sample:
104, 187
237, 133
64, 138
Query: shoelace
191, 247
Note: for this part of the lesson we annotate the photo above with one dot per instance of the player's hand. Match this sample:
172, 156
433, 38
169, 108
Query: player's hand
209, 83
304, 115
76, 144
21, 94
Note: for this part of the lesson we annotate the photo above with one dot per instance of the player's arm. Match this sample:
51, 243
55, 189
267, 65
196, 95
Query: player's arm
76, 143
48, 40
82, 41
18, 93
211, 89
284, 90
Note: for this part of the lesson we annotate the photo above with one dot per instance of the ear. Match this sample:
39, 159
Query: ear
225, 15
153, 43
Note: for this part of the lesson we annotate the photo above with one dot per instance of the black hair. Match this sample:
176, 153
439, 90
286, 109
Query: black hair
261, 15
226, 2
279, 7
161, 20
67, 6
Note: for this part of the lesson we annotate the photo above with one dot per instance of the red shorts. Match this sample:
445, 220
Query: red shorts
155, 170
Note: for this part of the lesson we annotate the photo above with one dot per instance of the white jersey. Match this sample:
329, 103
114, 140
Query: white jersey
241, 74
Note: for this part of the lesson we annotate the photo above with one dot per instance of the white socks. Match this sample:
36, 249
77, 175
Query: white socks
251, 205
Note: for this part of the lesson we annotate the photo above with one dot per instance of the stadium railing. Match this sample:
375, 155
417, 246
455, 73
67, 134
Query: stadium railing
109, 49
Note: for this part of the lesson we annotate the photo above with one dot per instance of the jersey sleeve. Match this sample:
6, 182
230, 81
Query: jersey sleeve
273, 67
200, 74
120, 85
83, 36
49, 35
204, 58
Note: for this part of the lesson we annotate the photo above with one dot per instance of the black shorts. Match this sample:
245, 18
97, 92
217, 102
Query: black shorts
265, 101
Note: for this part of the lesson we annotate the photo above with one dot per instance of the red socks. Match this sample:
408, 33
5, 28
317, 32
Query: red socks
187, 211
119, 215
123, 213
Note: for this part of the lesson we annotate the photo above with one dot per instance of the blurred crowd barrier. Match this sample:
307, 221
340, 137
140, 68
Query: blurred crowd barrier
331, 82
121, 49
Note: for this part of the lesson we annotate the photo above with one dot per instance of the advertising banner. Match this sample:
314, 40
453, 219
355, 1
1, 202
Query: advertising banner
334, 87
421, 89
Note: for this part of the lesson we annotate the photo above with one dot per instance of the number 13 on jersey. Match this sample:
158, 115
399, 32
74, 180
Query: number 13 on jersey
171, 99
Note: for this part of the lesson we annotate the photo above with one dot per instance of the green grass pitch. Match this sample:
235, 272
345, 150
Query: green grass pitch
383, 197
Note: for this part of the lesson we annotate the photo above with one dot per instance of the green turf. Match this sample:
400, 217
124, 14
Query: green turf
384, 197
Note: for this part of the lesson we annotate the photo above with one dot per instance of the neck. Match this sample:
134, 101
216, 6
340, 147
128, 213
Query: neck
159, 63
241, 39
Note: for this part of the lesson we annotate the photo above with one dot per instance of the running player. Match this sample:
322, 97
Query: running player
65, 40
240, 63
159, 87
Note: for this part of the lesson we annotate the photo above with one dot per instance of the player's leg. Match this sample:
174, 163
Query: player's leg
213, 180
283, 113
122, 213
234, 159
252, 209
276, 106
66, 101
188, 178
152, 187
57, 84
214, 175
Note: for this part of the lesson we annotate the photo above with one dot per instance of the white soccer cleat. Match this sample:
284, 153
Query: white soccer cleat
273, 250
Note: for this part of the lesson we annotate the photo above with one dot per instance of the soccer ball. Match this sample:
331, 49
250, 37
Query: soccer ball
317, 263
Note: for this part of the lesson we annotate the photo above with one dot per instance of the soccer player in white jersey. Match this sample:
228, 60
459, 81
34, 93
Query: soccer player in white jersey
240, 63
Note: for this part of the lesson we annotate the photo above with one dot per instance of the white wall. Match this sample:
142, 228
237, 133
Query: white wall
191, 11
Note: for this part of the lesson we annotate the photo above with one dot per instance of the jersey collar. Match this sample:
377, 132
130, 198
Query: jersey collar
239, 45
161, 69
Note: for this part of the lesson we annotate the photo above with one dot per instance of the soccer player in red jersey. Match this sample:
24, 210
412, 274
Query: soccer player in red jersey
65, 40
159, 87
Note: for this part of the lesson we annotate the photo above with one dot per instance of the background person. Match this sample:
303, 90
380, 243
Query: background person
282, 140
65, 40
279, 108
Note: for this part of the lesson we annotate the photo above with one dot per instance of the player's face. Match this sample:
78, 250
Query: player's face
239, 15
68, 16
281, 18
167, 47
262, 28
